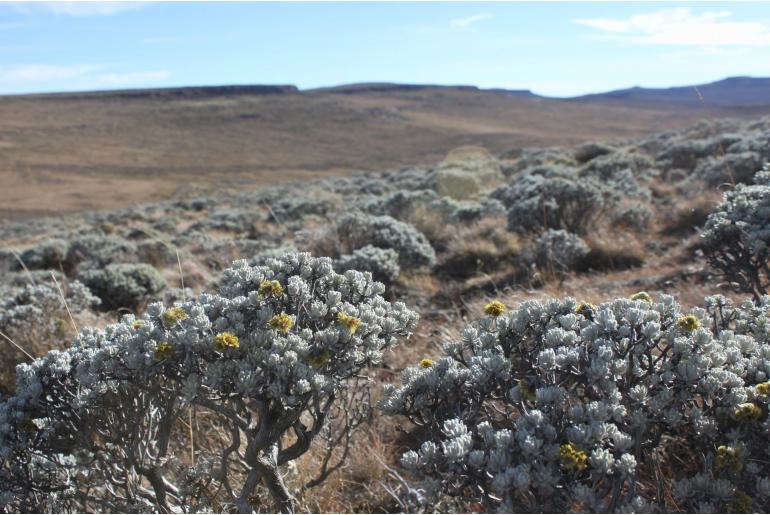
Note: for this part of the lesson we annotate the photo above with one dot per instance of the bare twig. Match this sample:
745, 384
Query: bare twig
272, 213
192, 435
17, 345
64, 301
21, 262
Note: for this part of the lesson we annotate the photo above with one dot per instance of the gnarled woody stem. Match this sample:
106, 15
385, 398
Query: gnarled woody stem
265, 467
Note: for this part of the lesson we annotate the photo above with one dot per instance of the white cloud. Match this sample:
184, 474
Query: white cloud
87, 8
60, 77
680, 26
470, 20
133, 77
37, 73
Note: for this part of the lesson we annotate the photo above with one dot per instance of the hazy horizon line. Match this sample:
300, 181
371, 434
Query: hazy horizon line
363, 83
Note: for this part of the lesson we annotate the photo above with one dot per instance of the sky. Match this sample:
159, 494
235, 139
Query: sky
553, 49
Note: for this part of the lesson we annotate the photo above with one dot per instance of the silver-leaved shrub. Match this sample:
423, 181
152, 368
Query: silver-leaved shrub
560, 406
554, 197
558, 251
36, 316
358, 230
102, 426
736, 237
382, 263
123, 285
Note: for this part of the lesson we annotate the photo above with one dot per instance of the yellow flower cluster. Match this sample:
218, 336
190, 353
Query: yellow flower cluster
688, 323
226, 341
527, 391
573, 457
136, 325
741, 503
268, 288
281, 322
319, 360
350, 322
748, 412
494, 308
173, 315
763, 389
427, 363
164, 350
729, 457
585, 308
642, 295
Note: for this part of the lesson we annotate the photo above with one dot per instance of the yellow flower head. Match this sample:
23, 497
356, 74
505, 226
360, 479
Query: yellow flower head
108, 227
729, 457
136, 325
494, 308
281, 322
527, 391
763, 389
350, 322
585, 308
173, 315
164, 350
748, 412
226, 341
268, 288
427, 363
319, 360
688, 323
741, 503
642, 295
573, 457
27, 425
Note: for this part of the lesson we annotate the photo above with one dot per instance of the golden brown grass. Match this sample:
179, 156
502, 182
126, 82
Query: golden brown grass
72, 152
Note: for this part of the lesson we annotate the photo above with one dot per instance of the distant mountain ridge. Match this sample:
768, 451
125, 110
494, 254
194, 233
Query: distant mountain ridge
178, 93
730, 92
740, 92
393, 87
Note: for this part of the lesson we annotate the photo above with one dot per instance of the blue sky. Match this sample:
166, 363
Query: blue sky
556, 49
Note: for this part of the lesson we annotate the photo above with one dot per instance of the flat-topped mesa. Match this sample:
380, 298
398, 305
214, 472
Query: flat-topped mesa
179, 93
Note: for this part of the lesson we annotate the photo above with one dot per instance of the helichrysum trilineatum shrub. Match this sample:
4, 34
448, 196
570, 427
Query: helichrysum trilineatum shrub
562, 406
559, 200
606, 167
361, 229
467, 211
729, 168
559, 250
39, 308
36, 318
298, 206
382, 263
398, 204
590, 151
48, 254
634, 216
97, 426
98, 251
124, 285
736, 237
31, 307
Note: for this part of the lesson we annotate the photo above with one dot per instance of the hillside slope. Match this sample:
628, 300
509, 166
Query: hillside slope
69, 152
